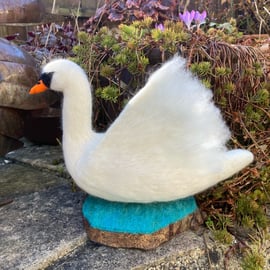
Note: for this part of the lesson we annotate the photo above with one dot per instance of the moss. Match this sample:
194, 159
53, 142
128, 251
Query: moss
106, 70
218, 225
253, 261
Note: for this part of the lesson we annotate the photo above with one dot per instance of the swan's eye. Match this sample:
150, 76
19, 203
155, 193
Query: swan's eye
46, 78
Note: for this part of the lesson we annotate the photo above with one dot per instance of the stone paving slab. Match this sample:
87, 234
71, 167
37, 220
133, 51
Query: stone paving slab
38, 228
18, 179
187, 251
184, 250
42, 157
42, 227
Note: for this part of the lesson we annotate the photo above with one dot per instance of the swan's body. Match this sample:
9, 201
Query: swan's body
168, 143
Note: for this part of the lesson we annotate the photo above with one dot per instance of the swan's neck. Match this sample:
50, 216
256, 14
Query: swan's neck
77, 124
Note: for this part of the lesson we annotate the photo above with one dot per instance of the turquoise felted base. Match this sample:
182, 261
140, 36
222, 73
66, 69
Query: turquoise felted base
135, 218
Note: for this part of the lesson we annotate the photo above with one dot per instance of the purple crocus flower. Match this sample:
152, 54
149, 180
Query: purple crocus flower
187, 17
159, 27
200, 17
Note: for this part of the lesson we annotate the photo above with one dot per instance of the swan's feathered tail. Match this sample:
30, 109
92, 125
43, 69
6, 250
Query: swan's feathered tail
168, 143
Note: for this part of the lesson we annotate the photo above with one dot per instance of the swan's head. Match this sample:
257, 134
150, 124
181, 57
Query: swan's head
57, 75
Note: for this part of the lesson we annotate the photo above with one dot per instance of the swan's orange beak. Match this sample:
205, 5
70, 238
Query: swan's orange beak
38, 88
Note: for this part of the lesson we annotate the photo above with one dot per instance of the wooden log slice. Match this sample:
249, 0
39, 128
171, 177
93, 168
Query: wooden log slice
143, 241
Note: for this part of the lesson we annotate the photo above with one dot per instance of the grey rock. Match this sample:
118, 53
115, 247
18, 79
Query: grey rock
12, 53
18, 73
43, 157
16, 179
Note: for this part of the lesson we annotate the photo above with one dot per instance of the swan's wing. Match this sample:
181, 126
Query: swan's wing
168, 142
173, 112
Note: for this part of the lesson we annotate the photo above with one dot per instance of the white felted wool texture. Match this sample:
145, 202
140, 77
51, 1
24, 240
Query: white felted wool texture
168, 143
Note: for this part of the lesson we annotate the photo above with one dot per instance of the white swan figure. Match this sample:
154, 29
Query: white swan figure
168, 143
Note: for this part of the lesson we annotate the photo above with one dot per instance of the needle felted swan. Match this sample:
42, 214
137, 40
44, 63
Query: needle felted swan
168, 143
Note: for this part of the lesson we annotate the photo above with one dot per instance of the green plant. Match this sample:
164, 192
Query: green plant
218, 226
110, 93
253, 260
227, 32
255, 254
201, 69
249, 210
